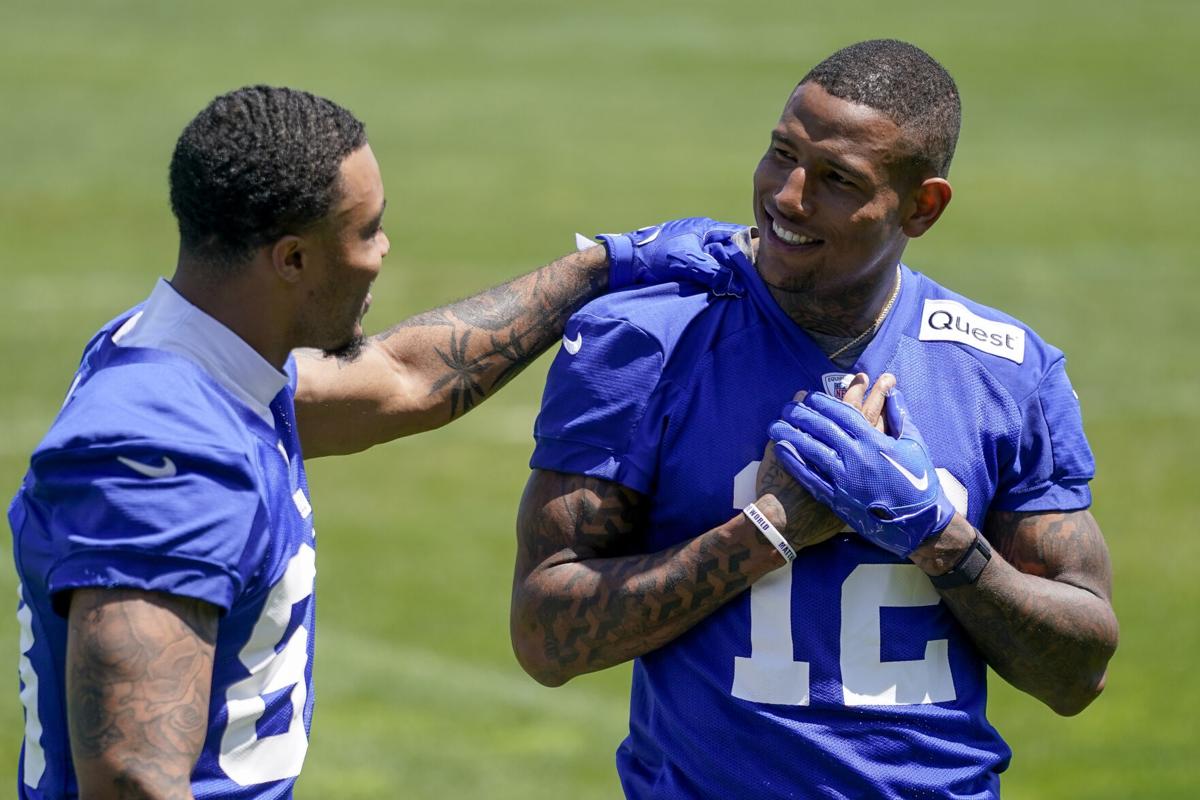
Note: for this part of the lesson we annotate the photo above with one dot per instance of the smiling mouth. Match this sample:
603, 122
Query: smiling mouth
791, 237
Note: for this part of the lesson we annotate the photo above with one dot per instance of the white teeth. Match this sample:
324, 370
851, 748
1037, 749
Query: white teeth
788, 236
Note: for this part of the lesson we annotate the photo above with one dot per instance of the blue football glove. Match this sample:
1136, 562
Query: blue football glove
680, 251
882, 486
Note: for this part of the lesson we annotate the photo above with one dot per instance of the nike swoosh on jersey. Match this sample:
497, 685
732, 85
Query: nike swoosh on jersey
920, 484
166, 470
572, 345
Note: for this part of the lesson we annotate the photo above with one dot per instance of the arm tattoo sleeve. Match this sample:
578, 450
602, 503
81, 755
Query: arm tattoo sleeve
1041, 612
139, 671
469, 349
586, 598
436, 366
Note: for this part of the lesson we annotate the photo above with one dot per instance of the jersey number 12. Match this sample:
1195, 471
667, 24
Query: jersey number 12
771, 674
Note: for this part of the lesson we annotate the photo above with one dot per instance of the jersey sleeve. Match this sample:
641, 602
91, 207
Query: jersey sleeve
1052, 464
147, 516
603, 397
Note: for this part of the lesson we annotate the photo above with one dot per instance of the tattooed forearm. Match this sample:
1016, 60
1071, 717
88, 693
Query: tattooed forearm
139, 671
583, 599
475, 346
465, 376
436, 366
1041, 612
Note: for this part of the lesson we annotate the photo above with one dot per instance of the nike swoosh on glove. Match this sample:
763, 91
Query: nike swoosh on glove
883, 486
680, 251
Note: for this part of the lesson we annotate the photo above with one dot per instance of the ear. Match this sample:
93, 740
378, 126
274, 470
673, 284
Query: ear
928, 201
289, 258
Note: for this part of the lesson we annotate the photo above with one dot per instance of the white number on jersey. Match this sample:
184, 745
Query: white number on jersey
772, 675
246, 758
35, 757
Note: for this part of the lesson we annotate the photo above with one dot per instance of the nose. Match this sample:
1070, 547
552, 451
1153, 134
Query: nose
386, 245
790, 198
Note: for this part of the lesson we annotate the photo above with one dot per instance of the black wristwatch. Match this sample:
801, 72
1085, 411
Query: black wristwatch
968, 568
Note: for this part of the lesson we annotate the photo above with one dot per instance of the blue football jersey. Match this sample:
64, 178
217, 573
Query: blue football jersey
842, 675
154, 476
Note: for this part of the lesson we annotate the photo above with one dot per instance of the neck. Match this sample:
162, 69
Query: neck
847, 310
239, 303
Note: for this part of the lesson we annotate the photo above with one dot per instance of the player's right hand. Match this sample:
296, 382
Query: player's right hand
679, 251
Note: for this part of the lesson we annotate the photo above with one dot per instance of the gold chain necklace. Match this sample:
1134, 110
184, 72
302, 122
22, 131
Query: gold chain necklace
874, 326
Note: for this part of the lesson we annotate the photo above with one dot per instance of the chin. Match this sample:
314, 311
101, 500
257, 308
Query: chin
779, 275
349, 350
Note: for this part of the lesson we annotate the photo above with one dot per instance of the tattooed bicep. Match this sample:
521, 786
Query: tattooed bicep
1064, 546
571, 517
138, 678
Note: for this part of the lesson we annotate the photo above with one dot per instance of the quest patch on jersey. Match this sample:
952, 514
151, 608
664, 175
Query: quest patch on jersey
948, 321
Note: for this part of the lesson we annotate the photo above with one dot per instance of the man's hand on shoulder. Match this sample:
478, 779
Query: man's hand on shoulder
684, 250
428, 370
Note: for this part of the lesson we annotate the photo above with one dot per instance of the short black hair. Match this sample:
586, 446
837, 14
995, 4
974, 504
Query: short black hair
256, 164
907, 84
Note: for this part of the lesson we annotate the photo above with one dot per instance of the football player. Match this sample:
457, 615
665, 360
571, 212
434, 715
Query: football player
163, 534
816, 618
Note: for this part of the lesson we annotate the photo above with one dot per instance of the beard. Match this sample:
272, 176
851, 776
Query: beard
349, 351
350, 348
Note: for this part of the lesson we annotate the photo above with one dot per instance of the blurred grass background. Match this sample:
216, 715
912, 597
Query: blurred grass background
502, 128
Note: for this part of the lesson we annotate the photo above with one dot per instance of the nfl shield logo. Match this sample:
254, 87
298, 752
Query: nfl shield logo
836, 383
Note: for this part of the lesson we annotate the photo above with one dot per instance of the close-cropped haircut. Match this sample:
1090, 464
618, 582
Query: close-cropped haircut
905, 83
256, 164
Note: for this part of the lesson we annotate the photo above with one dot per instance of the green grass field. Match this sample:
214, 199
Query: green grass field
504, 127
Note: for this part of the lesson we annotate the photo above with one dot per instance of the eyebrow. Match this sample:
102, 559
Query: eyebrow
839, 165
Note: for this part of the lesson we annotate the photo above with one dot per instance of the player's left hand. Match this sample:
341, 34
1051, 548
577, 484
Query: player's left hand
678, 251
882, 484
